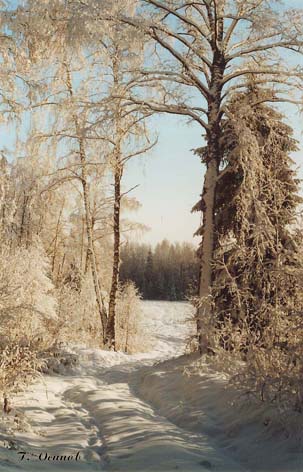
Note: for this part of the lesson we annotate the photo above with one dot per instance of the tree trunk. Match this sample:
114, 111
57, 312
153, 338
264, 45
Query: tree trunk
88, 217
82, 245
56, 239
110, 340
209, 195
23, 218
87, 261
6, 406
110, 334
89, 233
207, 248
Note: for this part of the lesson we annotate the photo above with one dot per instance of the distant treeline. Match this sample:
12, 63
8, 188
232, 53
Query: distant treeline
167, 272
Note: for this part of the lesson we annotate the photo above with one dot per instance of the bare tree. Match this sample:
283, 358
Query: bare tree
93, 110
129, 135
70, 125
213, 47
203, 52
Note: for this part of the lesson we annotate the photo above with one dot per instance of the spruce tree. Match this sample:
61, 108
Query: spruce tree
257, 257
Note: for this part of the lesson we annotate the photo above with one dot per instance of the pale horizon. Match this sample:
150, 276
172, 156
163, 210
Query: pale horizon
170, 180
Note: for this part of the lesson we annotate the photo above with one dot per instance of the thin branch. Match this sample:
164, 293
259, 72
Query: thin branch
172, 109
184, 19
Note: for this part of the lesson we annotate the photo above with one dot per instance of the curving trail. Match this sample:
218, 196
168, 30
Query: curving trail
97, 411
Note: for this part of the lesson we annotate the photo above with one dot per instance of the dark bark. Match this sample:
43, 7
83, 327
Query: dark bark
6, 406
110, 332
56, 239
91, 256
90, 244
23, 218
212, 160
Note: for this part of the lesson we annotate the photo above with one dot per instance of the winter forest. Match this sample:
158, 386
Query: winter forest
121, 352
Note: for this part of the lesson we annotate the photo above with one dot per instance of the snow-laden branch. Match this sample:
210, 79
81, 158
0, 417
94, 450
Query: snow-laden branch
143, 150
171, 109
184, 18
182, 60
283, 73
294, 45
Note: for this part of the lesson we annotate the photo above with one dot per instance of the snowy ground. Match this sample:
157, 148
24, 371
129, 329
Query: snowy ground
142, 413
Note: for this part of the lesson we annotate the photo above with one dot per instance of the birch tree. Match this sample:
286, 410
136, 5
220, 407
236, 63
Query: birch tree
210, 48
93, 110
128, 135
203, 52
70, 127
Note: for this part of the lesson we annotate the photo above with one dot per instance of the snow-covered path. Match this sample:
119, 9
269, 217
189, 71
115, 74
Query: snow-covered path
98, 412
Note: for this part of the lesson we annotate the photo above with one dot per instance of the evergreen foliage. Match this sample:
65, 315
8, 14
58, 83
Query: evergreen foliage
258, 266
167, 272
80, 81
257, 254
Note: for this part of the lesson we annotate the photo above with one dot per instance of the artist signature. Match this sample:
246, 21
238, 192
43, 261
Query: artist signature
46, 457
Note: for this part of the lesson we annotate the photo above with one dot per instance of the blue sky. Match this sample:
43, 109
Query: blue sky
170, 179
171, 176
